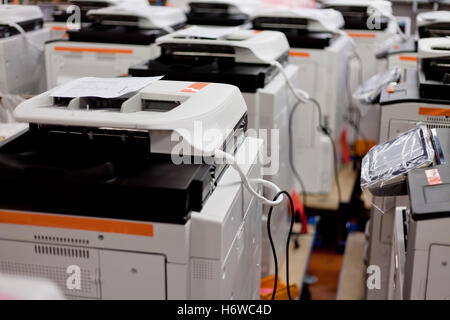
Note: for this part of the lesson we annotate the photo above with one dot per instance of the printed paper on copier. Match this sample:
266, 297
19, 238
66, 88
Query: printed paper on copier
207, 32
102, 87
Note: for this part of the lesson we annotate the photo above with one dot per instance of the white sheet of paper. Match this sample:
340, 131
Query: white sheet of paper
102, 87
207, 32
9, 131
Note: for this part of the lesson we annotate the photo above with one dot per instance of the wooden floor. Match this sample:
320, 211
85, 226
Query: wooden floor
326, 266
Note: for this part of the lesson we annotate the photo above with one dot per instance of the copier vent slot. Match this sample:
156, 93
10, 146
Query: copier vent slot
64, 240
202, 269
61, 251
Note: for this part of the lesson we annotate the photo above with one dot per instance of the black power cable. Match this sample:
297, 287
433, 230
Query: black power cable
269, 217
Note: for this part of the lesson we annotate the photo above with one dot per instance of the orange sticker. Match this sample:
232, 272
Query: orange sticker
362, 35
299, 54
193, 88
59, 28
408, 58
96, 50
433, 176
436, 112
78, 223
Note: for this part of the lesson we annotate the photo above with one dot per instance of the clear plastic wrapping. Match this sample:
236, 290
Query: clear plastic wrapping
369, 91
384, 167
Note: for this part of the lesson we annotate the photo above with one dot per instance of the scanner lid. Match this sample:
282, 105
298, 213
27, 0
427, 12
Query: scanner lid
432, 17
230, 7
138, 14
169, 111
249, 46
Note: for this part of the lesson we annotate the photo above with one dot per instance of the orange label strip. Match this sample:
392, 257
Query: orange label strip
439, 112
195, 87
79, 223
96, 50
299, 54
59, 28
362, 35
408, 58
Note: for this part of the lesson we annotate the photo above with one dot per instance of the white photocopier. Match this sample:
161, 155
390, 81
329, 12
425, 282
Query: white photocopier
422, 97
242, 58
62, 14
415, 164
118, 37
370, 23
22, 39
116, 208
431, 24
322, 55
228, 13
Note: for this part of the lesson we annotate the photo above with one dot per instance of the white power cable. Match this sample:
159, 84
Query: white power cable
229, 159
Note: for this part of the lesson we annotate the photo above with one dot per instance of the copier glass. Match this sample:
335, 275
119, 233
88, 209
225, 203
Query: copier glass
60, 16
241, 58
227, 13
22, 39
370, 24
119, 36
322, 55
115, 205
418, 267
433, 24
421, 98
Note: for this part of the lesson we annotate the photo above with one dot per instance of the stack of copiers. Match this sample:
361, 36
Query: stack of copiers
123, 187
22, 39
415, 165
244, 58
433, 24
230, 13
422, 98
322, 54
116, 38
370, 24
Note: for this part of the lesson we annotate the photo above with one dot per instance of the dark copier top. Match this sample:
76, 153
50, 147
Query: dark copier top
411, 90
298, 36
429, 188
214, 14
53, 171
355, 17
248, 77
29, 25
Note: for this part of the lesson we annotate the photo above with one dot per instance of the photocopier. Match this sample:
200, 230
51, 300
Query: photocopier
322, 55
93, 190
22, 39
64, 14
431, 24
118, 37
228, 13
421, 98
415, 164
369, 23
241, 58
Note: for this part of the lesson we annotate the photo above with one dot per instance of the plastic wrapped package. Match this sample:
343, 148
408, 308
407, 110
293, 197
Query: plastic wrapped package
368, 93
384, 168
382, 49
